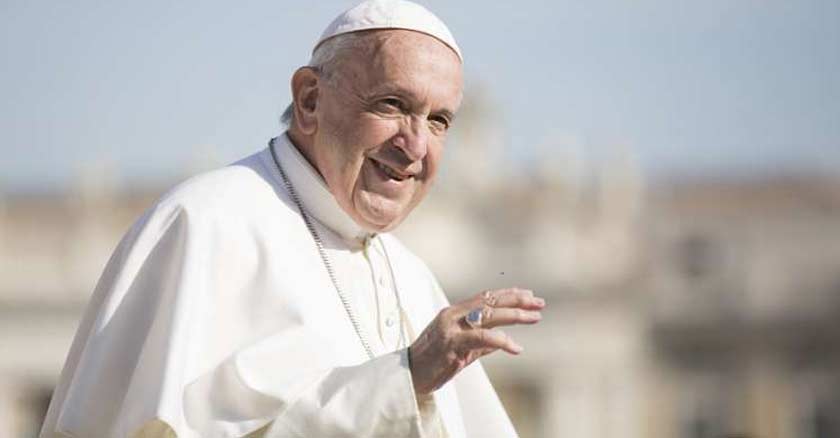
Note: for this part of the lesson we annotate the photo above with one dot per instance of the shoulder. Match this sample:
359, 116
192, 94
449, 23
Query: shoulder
235, 187
243, 196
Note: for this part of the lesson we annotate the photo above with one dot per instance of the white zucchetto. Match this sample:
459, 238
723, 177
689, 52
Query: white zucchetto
390, 14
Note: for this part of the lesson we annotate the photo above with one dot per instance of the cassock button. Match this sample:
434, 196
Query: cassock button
389, 321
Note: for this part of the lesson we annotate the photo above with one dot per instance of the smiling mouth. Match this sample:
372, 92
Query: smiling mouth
391, 173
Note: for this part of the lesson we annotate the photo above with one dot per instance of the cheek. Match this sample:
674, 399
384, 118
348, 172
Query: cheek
362, 134
363, 137
375, 131
432, 161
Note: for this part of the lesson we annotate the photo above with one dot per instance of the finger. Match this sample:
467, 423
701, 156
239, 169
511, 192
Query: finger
490, 339
485, 351
515, 297
510, 297
494, 317
479, 353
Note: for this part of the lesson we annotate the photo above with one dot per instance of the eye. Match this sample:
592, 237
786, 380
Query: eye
439, 123
392, 101
390, 105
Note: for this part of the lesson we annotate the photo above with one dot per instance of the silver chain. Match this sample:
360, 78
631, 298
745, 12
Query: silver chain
328, 265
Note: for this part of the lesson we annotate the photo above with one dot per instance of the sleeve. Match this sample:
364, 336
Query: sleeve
374, 399
481, 408
288, 384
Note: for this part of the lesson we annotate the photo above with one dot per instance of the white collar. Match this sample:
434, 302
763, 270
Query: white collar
317, 199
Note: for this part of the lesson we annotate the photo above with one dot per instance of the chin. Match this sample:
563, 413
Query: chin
379, 214
381, 221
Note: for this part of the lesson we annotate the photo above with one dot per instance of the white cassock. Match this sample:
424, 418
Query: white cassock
215, 317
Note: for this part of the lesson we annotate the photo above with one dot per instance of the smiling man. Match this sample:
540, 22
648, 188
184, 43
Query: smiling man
384, 106
267, 299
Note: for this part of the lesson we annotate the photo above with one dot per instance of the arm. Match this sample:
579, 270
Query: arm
289, 384
373, 399
331, 406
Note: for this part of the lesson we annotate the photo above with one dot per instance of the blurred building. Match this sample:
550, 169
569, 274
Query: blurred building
693, 310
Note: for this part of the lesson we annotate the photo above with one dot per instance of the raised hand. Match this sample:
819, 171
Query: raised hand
463, 332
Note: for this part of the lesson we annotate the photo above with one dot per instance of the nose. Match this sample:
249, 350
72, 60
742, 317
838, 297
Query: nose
413, 138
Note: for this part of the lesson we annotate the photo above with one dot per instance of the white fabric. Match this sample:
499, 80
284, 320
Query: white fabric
215, 318
390, 14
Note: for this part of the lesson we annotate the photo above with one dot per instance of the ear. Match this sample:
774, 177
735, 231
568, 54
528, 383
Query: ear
305, 96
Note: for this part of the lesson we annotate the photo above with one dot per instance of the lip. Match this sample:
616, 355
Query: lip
380, 183
390, 172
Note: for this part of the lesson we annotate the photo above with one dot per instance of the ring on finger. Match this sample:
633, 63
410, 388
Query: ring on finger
474, 317
489, 298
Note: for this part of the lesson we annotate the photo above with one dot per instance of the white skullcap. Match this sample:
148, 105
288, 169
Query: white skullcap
390, 14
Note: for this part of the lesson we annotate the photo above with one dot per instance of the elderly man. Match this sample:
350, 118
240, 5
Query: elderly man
267, 299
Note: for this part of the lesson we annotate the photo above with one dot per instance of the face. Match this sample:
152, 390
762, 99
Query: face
382, 120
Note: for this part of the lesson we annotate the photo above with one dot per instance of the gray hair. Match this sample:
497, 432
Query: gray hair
326, 59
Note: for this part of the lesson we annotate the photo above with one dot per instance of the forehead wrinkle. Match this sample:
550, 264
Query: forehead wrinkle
349, 65
416, 78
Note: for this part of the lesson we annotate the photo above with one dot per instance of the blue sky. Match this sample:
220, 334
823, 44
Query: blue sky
148, 89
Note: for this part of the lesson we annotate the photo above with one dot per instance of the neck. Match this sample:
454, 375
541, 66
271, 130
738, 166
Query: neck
306, 146
303, 143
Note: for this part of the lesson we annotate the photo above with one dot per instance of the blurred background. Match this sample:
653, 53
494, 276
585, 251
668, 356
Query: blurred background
665, 173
